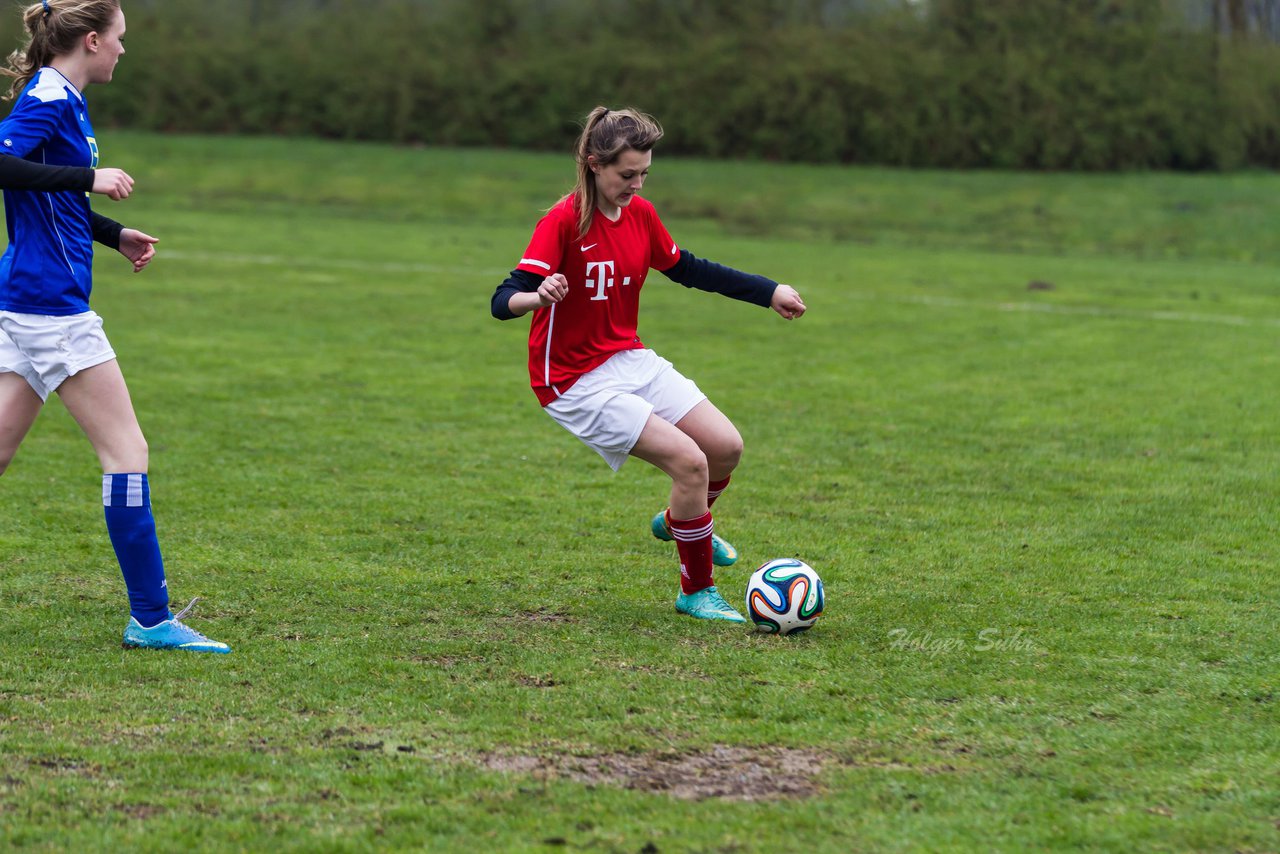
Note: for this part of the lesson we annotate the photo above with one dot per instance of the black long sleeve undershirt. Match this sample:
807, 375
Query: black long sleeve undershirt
690, 271
19, 174
694, 272
520, 281
105, 230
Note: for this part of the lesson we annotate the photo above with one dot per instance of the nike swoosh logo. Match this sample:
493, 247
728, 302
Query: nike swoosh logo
592, 246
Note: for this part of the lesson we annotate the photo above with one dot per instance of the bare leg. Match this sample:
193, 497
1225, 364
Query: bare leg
99, 401
716, 436
662, 444
19, 406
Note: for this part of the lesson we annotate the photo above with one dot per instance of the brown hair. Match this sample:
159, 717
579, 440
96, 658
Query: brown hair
53, 28
606, 135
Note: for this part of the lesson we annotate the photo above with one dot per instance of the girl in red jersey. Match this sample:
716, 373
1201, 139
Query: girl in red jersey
581, 277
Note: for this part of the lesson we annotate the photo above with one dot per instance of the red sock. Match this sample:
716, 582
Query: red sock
714, 488
693, 541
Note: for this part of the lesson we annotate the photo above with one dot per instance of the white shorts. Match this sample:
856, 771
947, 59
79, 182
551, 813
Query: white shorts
608, 407
46, 350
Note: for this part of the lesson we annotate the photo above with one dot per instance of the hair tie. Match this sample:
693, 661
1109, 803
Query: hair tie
47, 10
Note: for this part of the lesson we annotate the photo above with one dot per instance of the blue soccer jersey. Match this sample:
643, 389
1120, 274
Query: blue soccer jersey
48, 267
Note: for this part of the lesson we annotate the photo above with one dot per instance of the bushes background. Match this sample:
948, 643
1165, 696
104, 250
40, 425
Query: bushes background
1042, 84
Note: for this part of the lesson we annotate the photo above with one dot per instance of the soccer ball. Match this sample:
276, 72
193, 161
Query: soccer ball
784, 596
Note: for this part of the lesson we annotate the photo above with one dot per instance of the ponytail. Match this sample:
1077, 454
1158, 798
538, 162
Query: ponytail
53, 28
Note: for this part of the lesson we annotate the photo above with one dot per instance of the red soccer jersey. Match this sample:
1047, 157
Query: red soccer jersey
605, 271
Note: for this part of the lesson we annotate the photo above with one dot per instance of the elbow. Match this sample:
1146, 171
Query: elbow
500, 307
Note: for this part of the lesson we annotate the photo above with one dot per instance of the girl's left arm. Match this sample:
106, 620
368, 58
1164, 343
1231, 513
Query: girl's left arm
694, 272
138, 247
135, 245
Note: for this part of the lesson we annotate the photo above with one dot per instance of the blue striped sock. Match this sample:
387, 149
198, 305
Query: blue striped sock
126, 499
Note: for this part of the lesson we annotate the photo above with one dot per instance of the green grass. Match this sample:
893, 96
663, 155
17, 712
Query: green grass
1046, 520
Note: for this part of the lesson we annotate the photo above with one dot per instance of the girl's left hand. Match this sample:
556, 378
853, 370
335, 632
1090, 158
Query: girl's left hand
787, 302
138, 247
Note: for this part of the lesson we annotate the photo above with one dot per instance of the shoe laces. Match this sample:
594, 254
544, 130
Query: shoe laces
721, 604
178, 616
712, 599
187, 630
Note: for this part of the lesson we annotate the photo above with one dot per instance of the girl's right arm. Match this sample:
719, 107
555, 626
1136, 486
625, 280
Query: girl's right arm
19, 174
523, 292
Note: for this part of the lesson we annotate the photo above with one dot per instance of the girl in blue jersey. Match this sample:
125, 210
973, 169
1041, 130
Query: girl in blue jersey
49, 339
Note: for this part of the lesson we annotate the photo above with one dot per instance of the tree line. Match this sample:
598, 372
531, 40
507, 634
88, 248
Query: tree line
1051, 84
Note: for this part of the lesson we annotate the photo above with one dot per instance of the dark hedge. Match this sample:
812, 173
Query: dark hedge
1050, 84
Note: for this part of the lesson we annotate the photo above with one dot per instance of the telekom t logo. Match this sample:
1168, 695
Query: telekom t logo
600, 276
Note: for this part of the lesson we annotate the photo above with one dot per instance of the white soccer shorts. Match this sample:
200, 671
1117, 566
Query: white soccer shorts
608, 407
46, 350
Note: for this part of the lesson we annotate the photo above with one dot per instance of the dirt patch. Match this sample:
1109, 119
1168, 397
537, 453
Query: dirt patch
728, 773
140, 812
545, 615
444, 661
65, 765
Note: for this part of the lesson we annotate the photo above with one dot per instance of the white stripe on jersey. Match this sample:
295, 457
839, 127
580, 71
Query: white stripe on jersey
62, 244
536, 263
546, 365
53, 221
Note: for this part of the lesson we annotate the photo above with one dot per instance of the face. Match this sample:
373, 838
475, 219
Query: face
110, 47
618, 182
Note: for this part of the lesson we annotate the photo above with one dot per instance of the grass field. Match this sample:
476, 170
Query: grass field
1027, 434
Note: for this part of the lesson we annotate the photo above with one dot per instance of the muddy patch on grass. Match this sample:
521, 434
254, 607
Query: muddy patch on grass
140, 812
65, 765
545, 615
724, 772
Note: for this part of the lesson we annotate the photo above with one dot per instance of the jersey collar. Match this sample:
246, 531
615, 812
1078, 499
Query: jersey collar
68, 83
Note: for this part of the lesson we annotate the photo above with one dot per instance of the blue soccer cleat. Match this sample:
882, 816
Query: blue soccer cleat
170, 634
708, 604
722, 553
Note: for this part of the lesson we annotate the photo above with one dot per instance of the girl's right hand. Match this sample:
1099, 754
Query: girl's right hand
113, 183
553, 289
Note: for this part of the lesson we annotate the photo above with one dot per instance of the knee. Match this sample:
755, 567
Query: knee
731, 452
139, 456
692, 467
133, 456
725, 454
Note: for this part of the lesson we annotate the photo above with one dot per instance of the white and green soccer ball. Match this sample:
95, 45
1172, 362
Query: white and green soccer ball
784, 596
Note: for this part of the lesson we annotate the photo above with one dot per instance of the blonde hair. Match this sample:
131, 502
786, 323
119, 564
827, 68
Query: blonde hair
607, 134
53, 28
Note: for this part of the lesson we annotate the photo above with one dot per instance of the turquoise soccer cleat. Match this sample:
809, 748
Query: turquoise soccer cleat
170, 634
722, 553
708, 604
